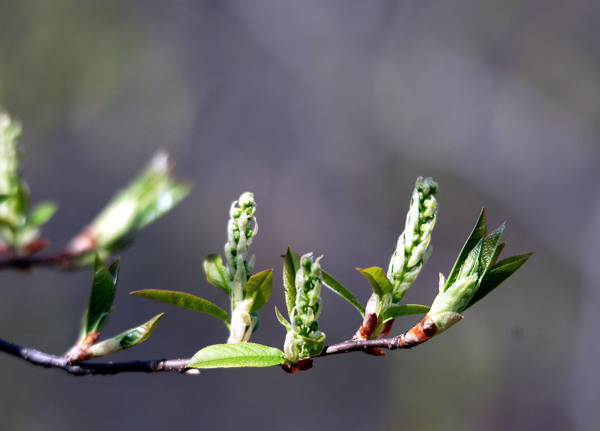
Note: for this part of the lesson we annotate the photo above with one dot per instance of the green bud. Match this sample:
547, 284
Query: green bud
304, 339
473, 276
19, 228
241, 230
413, 247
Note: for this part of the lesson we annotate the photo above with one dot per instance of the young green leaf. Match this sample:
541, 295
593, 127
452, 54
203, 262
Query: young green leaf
259, 286
102, 295
479, 232
185, 300
291, 265
235, 355
489, 247
498, 274
378, 280
403, 310
216, 273
338, 288
125, 340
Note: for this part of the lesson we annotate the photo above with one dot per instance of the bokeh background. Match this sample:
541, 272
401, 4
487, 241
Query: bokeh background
327, 111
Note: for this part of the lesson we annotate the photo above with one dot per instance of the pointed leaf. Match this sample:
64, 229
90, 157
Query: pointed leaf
403, 310
338, 288
216, 273
136, 335
378, 280
282, 320
259, 286
125, 340
479, 232
499, 273
236, 355
290, 266
102, 295
185, 300
497, 252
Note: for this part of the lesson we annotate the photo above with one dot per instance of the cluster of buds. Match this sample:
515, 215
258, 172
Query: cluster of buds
304, 339
412, 250
474, 275
19, 228
456, 294
413, 246
241, 230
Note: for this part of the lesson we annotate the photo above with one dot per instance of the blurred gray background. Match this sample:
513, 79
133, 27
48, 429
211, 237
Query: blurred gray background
327, 111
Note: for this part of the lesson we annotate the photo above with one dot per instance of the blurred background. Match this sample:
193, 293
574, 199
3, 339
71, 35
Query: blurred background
328, 112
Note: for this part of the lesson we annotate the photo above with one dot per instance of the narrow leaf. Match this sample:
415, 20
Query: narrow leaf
282, 320
185, 300
497, 252
102, 295
378, 280
479, 232
124, 340
499, 273
403, 310
172, 193
136, 335
488, 248
338, 288
216, 273
236, 355
259, 286
290, 266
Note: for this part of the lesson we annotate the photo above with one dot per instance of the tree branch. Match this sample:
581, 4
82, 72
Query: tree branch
47, 360
61, 260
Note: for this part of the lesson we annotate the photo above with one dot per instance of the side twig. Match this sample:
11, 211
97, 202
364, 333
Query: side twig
47, 360
61, 260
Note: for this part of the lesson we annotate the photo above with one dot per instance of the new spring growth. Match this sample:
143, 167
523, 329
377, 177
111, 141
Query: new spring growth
456, 293
150, 195
475, 274
304, 339
413, 247
412, 250
18, 229
11, 185
241, 230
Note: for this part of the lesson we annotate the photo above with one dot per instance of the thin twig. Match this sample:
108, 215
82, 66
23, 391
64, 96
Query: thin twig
371, 346
47, 360
61, 260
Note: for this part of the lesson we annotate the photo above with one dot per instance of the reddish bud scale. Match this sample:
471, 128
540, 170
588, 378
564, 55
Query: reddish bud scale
367, 328
80, 352
421, 332
302, 365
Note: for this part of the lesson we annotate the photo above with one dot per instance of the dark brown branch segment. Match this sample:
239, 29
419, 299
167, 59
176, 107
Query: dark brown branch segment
47, 360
